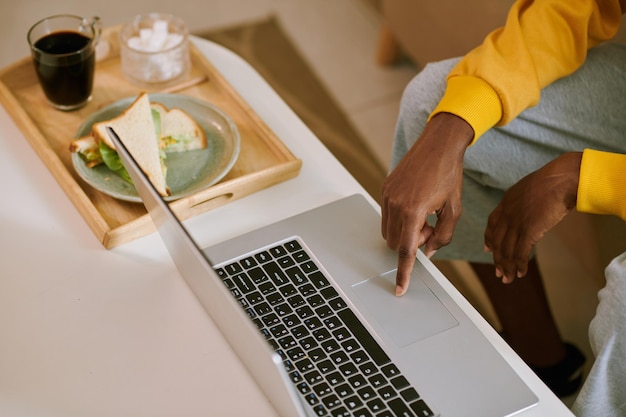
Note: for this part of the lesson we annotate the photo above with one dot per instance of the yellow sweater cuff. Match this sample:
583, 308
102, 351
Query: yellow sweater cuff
473, 100
602, 183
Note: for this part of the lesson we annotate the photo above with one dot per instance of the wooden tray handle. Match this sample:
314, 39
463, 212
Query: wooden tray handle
208, 203
230, 190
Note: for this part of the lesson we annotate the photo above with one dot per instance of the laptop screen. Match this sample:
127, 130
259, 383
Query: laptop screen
264, 365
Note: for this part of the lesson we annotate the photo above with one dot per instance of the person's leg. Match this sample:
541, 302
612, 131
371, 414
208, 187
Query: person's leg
529, 327
575, 113
582, 111
526, 294
604, 390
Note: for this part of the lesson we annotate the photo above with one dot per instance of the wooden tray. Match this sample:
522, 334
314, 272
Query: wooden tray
263, 159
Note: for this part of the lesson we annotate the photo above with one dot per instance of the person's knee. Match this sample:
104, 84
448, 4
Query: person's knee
614, 293
611, 312
419, 99
425, 90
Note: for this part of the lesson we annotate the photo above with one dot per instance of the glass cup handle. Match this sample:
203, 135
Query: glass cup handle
96, 26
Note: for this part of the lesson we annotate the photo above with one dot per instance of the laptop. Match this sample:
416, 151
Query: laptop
308, 305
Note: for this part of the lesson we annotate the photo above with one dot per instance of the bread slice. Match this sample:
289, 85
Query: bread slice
135, 127
179, 131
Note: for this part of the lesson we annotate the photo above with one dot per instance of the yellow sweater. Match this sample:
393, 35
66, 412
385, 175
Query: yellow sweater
541, 41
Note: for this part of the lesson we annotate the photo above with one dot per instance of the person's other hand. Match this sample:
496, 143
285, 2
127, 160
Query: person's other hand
427, 180
528, 210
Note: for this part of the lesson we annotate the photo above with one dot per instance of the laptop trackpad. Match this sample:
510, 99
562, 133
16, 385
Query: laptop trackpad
415, 316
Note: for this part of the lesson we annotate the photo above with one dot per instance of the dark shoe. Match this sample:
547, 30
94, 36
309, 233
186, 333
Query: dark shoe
565, 377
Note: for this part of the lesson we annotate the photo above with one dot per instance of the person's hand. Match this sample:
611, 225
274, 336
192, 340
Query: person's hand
427, 180
528, 210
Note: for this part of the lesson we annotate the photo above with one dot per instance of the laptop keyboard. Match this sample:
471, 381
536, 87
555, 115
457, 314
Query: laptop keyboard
332, 359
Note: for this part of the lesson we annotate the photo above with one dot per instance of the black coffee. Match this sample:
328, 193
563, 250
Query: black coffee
66, 69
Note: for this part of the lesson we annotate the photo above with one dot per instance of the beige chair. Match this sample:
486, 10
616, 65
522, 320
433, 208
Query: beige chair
430, 30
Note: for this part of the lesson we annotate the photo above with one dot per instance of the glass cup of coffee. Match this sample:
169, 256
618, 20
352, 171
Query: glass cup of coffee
63, 48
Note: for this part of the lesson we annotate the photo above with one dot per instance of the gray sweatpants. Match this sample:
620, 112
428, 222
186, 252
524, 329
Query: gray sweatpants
584, 110
604, 391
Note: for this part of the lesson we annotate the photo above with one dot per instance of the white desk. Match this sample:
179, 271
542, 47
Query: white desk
90, 332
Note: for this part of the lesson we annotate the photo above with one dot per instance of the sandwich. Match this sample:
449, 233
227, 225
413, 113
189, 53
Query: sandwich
149, 131
179, 132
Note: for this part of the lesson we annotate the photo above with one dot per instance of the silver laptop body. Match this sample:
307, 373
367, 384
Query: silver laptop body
425, 335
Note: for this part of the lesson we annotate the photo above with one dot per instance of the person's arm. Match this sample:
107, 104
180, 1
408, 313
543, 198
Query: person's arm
531, 207
542, 41
426, 181
590, 181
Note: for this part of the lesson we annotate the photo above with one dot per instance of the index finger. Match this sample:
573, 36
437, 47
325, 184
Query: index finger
403, 275
406, 258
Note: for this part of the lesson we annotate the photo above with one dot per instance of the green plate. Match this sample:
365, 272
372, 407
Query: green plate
187, 172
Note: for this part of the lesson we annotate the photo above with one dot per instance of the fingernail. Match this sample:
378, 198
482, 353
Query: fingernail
486, 249
498, 273
431, 253
519, 274
399, 291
